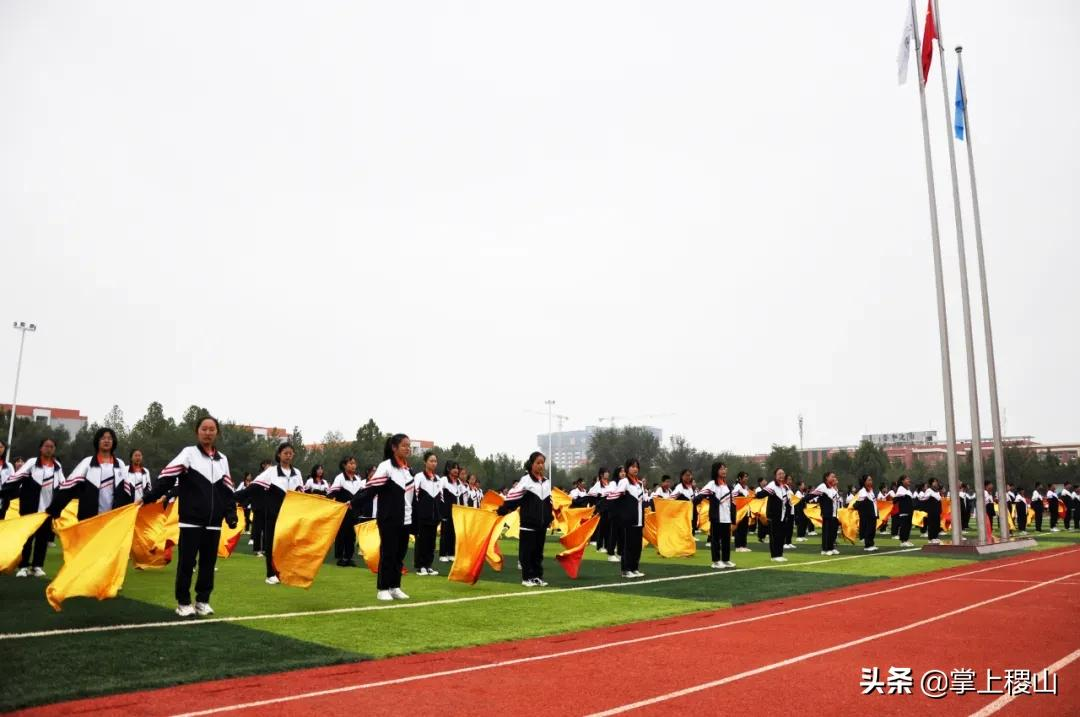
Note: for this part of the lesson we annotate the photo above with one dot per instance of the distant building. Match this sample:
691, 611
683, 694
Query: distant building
419, 446
278, 434
570, 449
68, 418
901, 439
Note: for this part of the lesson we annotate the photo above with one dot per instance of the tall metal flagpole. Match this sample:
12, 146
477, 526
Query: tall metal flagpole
969, 342
991, 366
23, 327
550, 457
943, 323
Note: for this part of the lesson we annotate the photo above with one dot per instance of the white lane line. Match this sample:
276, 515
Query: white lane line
428, 603
824, 651
605, 646
1006, 699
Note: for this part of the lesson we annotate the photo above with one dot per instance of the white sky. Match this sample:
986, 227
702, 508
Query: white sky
442, 214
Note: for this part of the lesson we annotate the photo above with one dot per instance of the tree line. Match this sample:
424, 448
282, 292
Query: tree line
160, 438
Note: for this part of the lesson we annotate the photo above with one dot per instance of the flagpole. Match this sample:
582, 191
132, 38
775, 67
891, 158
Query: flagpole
995, 417
969, 342
939, 282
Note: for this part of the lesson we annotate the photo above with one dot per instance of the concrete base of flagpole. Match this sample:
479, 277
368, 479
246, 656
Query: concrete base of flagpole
970, 547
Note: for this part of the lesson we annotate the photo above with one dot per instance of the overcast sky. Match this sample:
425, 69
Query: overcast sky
440, 215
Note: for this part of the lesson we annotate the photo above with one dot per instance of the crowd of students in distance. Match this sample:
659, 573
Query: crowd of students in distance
403, 504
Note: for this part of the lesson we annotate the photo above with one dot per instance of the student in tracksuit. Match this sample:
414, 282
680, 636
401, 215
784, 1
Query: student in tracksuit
629, 500
685, 491
866, 504
721, 513
205, 491
991, 505
276, 482
134, 482
616, 534
1052, 505
763, 530
316, 484
1037, 506
1021, 512
94, 480
531, 495
394, 485
966, 504
905, 508
1070, 499
451, 495
344, 488
742, 528
598, 499
777, 510
932, 500
6, 471
427, 512
258, 514
828, 498
33, 484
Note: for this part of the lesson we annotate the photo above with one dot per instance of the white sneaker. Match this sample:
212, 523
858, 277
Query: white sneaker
602, 550
826, 552
529, 583
810, 532
729, 565
540, 583
628, 574
743, 550
23, 573
450, 558
800, 540
398, 594
1055, 530
781, 559
185, 610
835, 551
871, 549
203, 608
614, 559
38, 573
935, 541
789, 546
638, 574
251, 541
273, 580
432, 572
384, 595
444, 559
907, 544
718, 565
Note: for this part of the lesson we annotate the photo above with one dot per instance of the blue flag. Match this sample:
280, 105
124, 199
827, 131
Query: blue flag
958, 120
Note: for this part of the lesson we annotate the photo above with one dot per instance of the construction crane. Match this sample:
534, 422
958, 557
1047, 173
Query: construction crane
611, 419
557, 416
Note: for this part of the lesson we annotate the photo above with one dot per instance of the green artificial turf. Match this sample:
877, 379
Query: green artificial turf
108, 662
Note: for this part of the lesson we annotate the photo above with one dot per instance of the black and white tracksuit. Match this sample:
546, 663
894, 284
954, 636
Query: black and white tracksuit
932, 501
866, 505
721, 512
452, 490
315, 487
343, 490
393, 486
427, 512
742, 528
92, 484
34, 485
598, 498
629, 500
131, 486
205, 491
275, 483
532, 498
905, 509
777, 510
1038, 507
828, 500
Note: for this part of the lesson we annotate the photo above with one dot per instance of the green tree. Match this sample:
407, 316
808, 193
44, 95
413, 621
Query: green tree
786, 457
612, 447
872, 460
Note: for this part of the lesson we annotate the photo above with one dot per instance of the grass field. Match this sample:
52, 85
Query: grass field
253, 636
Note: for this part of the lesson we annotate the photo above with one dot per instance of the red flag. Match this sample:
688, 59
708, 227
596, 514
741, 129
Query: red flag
929, 35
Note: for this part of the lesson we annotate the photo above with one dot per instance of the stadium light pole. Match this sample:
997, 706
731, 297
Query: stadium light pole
550, 458
23, 327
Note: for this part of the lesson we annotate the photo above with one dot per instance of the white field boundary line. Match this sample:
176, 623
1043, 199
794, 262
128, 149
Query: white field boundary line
429, 603
595, 648
824, 651
1006, 699
1000, 580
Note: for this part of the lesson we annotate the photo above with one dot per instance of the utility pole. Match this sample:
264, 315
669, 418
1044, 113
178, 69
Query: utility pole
23, 327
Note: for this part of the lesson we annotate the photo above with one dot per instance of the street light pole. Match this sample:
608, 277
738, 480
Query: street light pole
23, 327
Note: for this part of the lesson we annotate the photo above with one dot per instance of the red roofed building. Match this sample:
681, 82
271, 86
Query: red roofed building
278, 434
69, 419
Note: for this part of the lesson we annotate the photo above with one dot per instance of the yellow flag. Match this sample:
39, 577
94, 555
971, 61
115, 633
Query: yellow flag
812, 511
69, 516
14, 532
491, 500
1012, 517
511, 525
1030, 515
918, 518
849, 523
95, 556
754, 508
574, 544
474, 528
157, 530
795, 500
703, 516
575, 517
13, 510
884, 510
306, 527
367, 537
231, 536
648, 530
673, 536
560, 499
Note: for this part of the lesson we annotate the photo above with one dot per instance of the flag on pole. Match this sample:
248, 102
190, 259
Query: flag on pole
903, 56
958, 120
929, 35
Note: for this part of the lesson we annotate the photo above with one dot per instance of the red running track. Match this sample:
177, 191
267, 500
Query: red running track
802, 654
